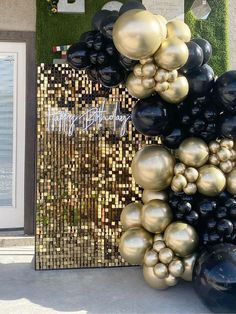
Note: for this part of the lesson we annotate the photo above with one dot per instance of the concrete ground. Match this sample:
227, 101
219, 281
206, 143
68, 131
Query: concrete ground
119, 290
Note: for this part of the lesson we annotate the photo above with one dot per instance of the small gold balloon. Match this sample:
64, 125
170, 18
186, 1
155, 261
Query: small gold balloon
214, 160
137, 34
181, 238
233, 155
131, 216
176, 268
223, 154
177, 90
147, 60
162, 87
214, 147
190, 189
162, 22
193, 152
172, 54
231, 182
171, 281
191, 174
179, 168
158, 237
161, 75
172, 76
156, 215
148, 83
150, 258
153, 167
138, 70
227, 143
226, 166
177, 28
152, 280
179, 182
133, 244
189, 262
166, 255
149, 195
149, 70
161, 271
158, 245
135, 87
211, 180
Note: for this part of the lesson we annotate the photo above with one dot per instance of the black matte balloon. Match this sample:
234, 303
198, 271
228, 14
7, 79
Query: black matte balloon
99, 42
111, 75
88, 38
98, 18
93, 75
173, 139
131, 5
107, 24
195, 58
228, 126
225, 91
111, 49
78, 56
206, 48
152, 116
201, 80
214, 278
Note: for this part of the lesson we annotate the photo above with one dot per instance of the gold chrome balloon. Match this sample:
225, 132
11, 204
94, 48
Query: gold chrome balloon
231, 182
190, 189
177, 90
214, 147
148, 83
147, 60
150, 258
162, 87
158, 237
172, 54
161, 75
131, 216
158, 245
162, 22
211, 180
166, 255
153, 167
152, 279
225, 142
171, 281
179, 168
189, 262
177, 28
137, 34
172, 76
214, 160
149, 70
193, 152
181, 238
161, 271
138, 70
135, 87
133, 244
191, 174
149, 195
226, 166
156, 215
179, 182
176, 268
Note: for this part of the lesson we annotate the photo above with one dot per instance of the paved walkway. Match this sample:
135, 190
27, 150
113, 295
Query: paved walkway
119, 290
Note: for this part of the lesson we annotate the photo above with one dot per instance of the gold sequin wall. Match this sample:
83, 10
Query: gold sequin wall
83, 180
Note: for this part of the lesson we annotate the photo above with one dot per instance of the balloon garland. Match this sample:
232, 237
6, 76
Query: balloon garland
189, 181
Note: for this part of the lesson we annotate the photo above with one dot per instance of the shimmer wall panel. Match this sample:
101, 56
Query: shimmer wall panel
83, 169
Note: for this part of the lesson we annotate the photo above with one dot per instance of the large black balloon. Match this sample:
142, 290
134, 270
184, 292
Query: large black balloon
111, 75
195, 58
201, 80
174, 138
214, 278
225, 91
78, 56
131, 5
107, 24
98, 18
228, 126
206, 48
152, 116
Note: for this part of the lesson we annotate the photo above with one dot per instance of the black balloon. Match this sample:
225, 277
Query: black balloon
78, 56
195, 58
214, 278
206, 48
111, 75
152, 116
228, 126
93, 75
201, 80
98, 18
131, 5
127, 63
173, 139
88, 38
107, 24
225, 91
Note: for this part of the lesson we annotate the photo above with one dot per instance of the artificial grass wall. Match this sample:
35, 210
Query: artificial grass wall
64, 29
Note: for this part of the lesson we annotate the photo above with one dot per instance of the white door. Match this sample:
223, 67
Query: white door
12, 133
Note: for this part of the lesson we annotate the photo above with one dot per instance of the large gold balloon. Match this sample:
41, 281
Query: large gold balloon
193, 152
133, 244
177, 91
231, 182
137, 34
153, 167
189, 263
172, 54
149, 195
156, 215
211, 180
177, 28
181, 238
136, 88
152, 279
131, 216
